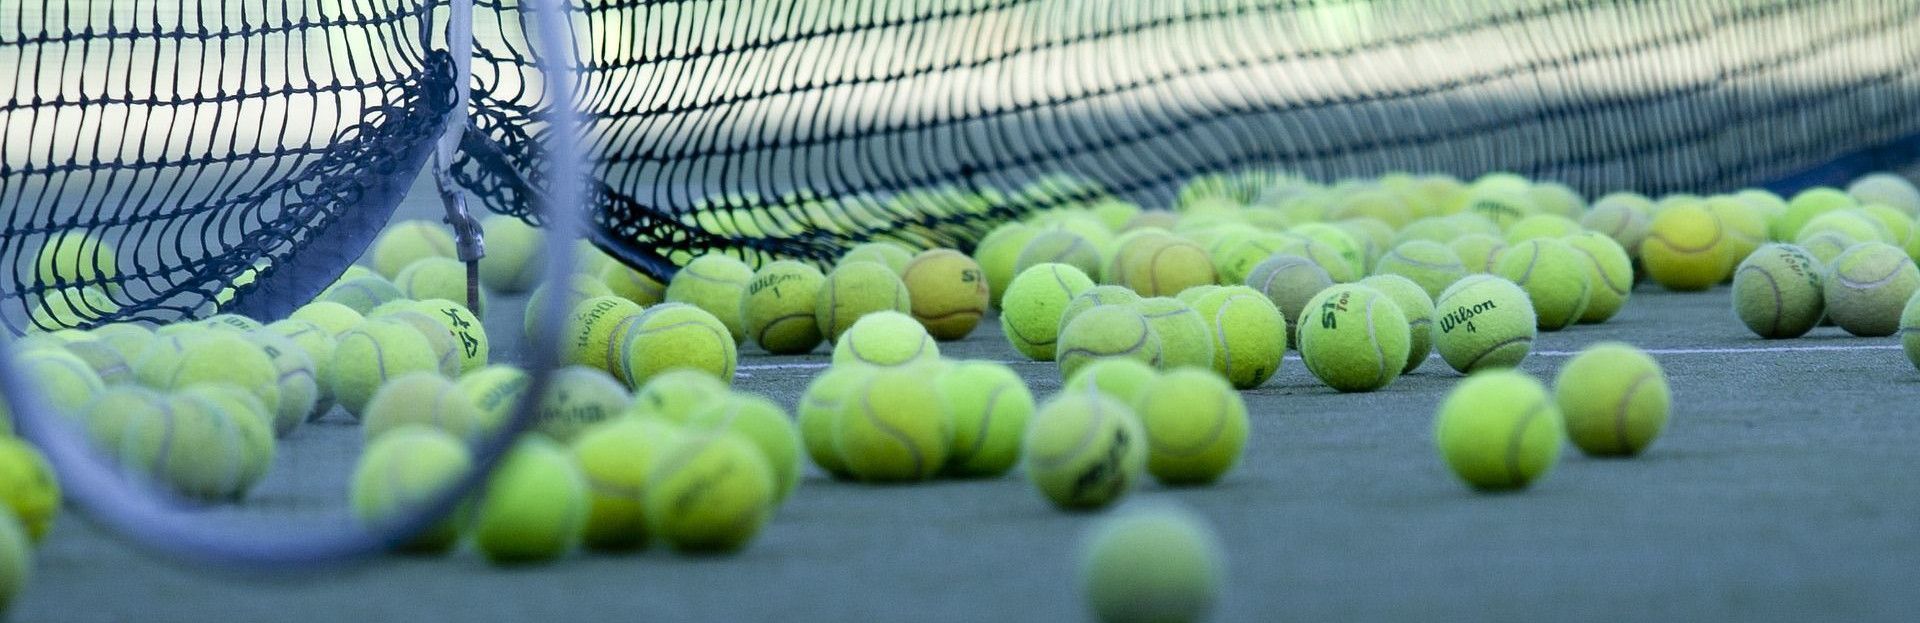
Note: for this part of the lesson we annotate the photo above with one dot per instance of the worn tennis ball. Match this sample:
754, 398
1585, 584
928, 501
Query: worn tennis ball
1104, 332
674, 335
1826, 245
948, 291
65, 381
763, 423
779, 304
427, 399
1432, 265
1886, 189
534, 507
1095, 297
318, 344
1685, 248
1353, 338
1867, 284
1555, 277
1166, 268
1498, 430
709, 492
1152, 564
516, 254
596, 329
252, 424
1417, 308
1234, 256
74, 257
855, 289
406, 242
1478, 252
1126, 249
885, 338
362, 294
1553, 197
1059, 246
1483, 322
28, 489
1621, 216
446, 353
1249, 334
126, 338
297, 378
894, 427
1084, 450
674, 395
1779, 291
104, 360
331, 317
1851, 223
1030, 312
714, 283
1744, 226
1120, 378
578, 289
1541, 226
889, 254
69, 308
820, 407
369, 355
1333, 248
1195, 425
438, 278
998, 255
616, 457
1613, 399
1609, 273
577, 398
1807, 205
495, 390
212, 442
989, 405
1289, 281
216, 356
1185, 339
403, 471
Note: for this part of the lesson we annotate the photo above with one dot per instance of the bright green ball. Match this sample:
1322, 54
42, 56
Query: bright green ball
856, 289
989, 405
1609, 271
577, 398
1483, 322
1541, 226
470, 340
216, 356
425, 399
65, 380
710, 492
617, 457
1555, 277
1353, 338
535, 506
1152, 565
1866, 284
1418, 309
29, 491
886, 338
406, 242
1084, 450
578, 289
715, 283
516, 254
438, 278
1499, 430
404, 470
368, 356
362, 294
765, 424
894, 427
1432, 265
1030, 313
1119, 377
889, 254
998, 254
1195, 425
675, 395
296, 378
779, 304
819, 410
1185, 339
1104, 332
674, 335
1289, 281
1249, 334
74, 257
1095, 297
1613, 398
495, 390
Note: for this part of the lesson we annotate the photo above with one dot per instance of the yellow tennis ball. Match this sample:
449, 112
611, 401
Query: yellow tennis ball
1236, 253
578, 289
1249, 334
595, 330
105, 362
1483, 322
470, 340
714, 283
362, 294
1105, 332
1684, 249
990, 406
1478, 252
28, 488
1084, 450
1621, 216
1166, 268
1095, 297
998, 255
1910, 330
674, 395
318, 345
616, 457
779, 304
67, 308
74, 257
1120, 378
710, 492
368, 356
1353, 338
1195, 425
495, 390
516, 254
1498, 430
1744, 227
438, 278
296, 377
633, 285
1541, 226
1430, 264
889, 254
404, 470
1827, 245
1555, 278
674, 335
893, 427
1609, 272
1779, 291
1185, 339
446, 353
1868, 283
1126, 249
216, 356
855, 289
1059, 246
535, 505
231, 322
820, 407
1807, 205
577, 398
333, 318
407, 242
252, 426
1418, 309
1289, 281
1613, 398
885, 339
1154, 564
424, 399
1030, 313
948, 292
194, 445
1501, 205
1333, 248
763, 423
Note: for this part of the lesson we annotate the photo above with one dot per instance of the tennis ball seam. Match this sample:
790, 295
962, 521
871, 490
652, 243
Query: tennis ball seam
866, 411
1087, 437
1709, 246
1379, 350
1474, 363
986, 421
761, 338
1620, 411
1395, 253
1598, 270
1779, 302
1213, 435
1514, 440
1846, 281
1146, 330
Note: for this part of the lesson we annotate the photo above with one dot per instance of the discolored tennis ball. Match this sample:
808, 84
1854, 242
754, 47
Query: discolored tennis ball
534, 507
673, 335
763, 423
362, 294
1431, 265
714, 283
1886, 189
105, 362
990, 406
426, 399
1104, 332
885, 339
1541, 226
406, 242
1185, 339
438, 278
1851, 223
212, 442
1125, 251
404, 470
1353, 338
1806, 205
1745, 229
1059, 246
1030, 313
1498, 430
516, 254
1249, 334
333, 318
1344, 246
616, 457
29, 490
578, 288
1483, 322
216, 356
1289, 281
1609, 273
856, 289
1555, 277
1157, 564
446, 353
1235, 256
948, 292
1167, 268
1338, 267
368, 356
1195, 425
893, 427
65, 381
892, 255
1866, 285
297, 377
1478, 252
496, 391
74, 257
820, 406
1084, 450
709, 492
1417, 308
998, 255
674, 395
1613, 398
779, 304
1551, 197
252, 424
1779, 291
1621, 216
577, 398
595, 331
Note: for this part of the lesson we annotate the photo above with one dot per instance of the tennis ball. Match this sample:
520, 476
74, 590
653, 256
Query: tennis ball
888, 254
1897, 226
1059, 246
1806, 205
1328, 238
714, 283
1851, 223
856, 289
578, 289
1613, 398
1417, 308
211, 443
1498, 430
28, 488
709, 492
675, 395
252, 426
1745, 227
1193, 294
1353, 338
1195, 425
989, 405
893, 427
1621, 216
516, 254
1126, 249
1867, 283
298, 380
998, 255
1156, 564
367, 356
596, 329
631, 284
1095, 297
1503, 206
534, 507
105, 362
1483, 322
231, 322
68, 308
820, 406
1556, 198
318, 345
1121, 378
362, 294
1107, 331
779, 304
438, 278
1886, 189
763, 423
577, 398
407, 242
65, 381
1764, 201
1249, 334
495, 390
1185, 339
1910, 330
1609, 272
74, 257
1430, 264
673, 335
1166, 268
470, 340
333, 318
1289, 281
948, 292
1084, 450
885, 339
589, 259
1826, 245
427, 399
404, 470
1235, 256
1030, 313
1478, 252
126, 338
616, 457
1554, 276
1541, 226
1779, 291
216, 356
446, 353
1375, 237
